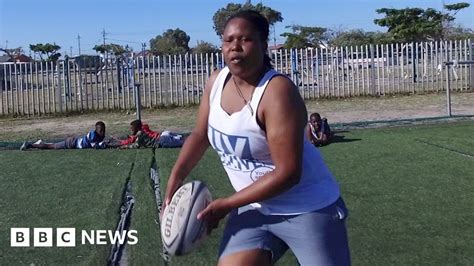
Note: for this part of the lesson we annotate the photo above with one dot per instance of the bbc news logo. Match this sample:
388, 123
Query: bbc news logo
66, 237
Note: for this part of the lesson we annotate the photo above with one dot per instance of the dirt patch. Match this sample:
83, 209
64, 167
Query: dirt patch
182, 119
392, 107
58, 126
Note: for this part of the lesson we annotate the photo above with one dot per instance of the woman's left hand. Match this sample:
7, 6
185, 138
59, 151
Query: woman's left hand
214, 212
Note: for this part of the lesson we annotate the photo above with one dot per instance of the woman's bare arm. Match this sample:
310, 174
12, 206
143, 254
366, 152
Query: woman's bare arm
194, 146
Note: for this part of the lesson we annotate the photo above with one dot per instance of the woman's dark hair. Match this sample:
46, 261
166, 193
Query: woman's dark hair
260, 24
136, 124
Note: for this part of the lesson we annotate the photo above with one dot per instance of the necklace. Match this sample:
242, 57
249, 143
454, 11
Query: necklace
239, 91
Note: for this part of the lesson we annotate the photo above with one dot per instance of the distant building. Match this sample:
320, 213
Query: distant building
6, 68
145, 53
19, 59
5, 59
88, 63
276, 47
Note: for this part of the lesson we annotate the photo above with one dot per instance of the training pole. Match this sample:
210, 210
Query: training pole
448, 90
135, 86
137, 100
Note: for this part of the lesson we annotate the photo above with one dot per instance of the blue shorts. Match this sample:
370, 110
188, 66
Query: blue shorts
171, 140
316, 238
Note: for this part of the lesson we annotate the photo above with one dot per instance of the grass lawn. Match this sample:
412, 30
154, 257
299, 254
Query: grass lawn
409, 191
409, 201
74, 188
145, 213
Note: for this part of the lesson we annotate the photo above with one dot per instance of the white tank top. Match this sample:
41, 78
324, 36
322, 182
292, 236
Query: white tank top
243, 149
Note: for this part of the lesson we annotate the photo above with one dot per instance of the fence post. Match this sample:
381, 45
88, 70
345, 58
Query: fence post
62, 67
119, 77
372, 71
68, 80
57, 68
294, 66
471, 68
414, 51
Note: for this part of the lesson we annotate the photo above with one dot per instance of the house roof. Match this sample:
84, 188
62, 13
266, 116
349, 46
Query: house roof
276, 47
143, 53
5, 58
21, 58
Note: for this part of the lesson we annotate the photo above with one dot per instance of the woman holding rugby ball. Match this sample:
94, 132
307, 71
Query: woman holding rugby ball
255, 119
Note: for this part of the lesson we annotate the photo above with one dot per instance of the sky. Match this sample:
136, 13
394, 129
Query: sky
133, 22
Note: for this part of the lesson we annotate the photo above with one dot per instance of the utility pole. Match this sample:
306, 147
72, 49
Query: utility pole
143, 49
70, 51
274, 38
443, 23
103, 35
79, 43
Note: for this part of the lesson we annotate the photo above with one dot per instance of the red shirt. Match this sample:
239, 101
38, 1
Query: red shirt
145, 129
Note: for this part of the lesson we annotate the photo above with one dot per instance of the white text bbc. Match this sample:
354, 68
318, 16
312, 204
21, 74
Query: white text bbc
66, 237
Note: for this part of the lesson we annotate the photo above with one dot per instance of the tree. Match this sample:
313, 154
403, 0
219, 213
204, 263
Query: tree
112, 48
451, 31
357, 37
171, 42
13, 53
417, 24
304, 36
205, 47
221, 15
455, 8
459, 32
50, 50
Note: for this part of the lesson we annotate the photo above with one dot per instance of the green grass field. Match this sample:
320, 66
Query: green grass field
409, 191
80, 189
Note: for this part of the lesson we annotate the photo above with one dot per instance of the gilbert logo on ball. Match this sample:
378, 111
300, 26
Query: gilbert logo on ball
181, 231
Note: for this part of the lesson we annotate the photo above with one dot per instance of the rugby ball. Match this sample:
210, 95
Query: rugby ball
181, 231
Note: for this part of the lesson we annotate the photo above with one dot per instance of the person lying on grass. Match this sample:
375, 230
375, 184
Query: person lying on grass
143, 137
94, 139
318, 130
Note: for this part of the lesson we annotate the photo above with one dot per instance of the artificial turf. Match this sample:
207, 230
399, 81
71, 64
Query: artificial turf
408, 189
409, 201
60, 189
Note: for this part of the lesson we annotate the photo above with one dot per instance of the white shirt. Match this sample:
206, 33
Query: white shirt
243, 149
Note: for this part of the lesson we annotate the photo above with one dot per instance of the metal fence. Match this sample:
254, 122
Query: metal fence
88, 83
